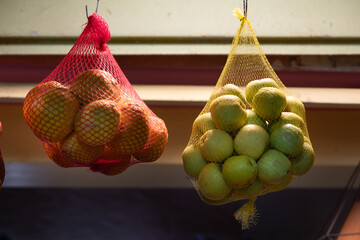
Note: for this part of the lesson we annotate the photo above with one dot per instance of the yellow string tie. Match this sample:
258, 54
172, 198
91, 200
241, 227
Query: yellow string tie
238, 13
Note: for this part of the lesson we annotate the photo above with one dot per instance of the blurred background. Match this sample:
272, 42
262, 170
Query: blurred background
173, 52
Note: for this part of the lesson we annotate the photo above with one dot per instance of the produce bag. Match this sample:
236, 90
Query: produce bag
2, 166
251, 137
87, 114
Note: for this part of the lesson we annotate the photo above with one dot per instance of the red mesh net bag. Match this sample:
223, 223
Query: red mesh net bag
87, 114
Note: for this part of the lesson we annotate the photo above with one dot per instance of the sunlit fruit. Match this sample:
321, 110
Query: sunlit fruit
51, 114
273, 167
78, 152
134, 129
303, 162
291, 118
253, 118
157, 141
293, 104
269, 103
95, 84
203, 123
253, 87
227, 113
212, 183
230, 89
216, 145
288, 139
252, 140
97, 122
239, 171
193, 161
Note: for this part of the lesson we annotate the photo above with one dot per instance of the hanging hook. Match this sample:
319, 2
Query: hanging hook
97, 6
245, 3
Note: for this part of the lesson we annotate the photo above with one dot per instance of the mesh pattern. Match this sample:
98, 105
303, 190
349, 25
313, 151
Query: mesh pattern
87, 114
251, 137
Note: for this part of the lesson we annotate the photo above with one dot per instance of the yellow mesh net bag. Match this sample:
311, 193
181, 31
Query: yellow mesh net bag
251, 137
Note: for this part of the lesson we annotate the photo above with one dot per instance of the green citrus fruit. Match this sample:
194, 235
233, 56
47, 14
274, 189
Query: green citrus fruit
303, 162
288, 139
95, 84
98, 122
269, 103
293, 104
193, 161
252, 118
253, 87
230, 89
256, 188
211, 182
239, 171
216, 145
288, 117
252, 140
275, 187
227, 113
273, 167
203, 123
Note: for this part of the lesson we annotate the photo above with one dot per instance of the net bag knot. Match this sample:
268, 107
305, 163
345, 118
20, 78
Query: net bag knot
98, 29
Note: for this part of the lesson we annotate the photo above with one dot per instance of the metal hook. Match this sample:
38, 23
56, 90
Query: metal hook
245, 2
87, 16
97, 5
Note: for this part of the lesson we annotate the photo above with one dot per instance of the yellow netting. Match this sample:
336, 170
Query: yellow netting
251, 137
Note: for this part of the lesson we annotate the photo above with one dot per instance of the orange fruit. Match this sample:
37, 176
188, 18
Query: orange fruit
134, 129
98, 122
53, 150
95, 84
79, 152
155, 146
50, 116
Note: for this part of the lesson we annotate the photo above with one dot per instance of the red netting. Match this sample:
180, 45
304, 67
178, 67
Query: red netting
86, 113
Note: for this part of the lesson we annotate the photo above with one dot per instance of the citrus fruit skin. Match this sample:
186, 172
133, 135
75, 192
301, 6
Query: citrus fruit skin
95, 84
269, 103
98, 122
212, 183
288, 118
53, 150
230, 89
288, 139
216, 145
51, 114
254, 86
78, 152
252, 140
293, 104
193, 161
275, 187
134, 129
303, 162
157, 141
227, 113
252, 118
203, 123
273, 167
256, 188
239, 171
